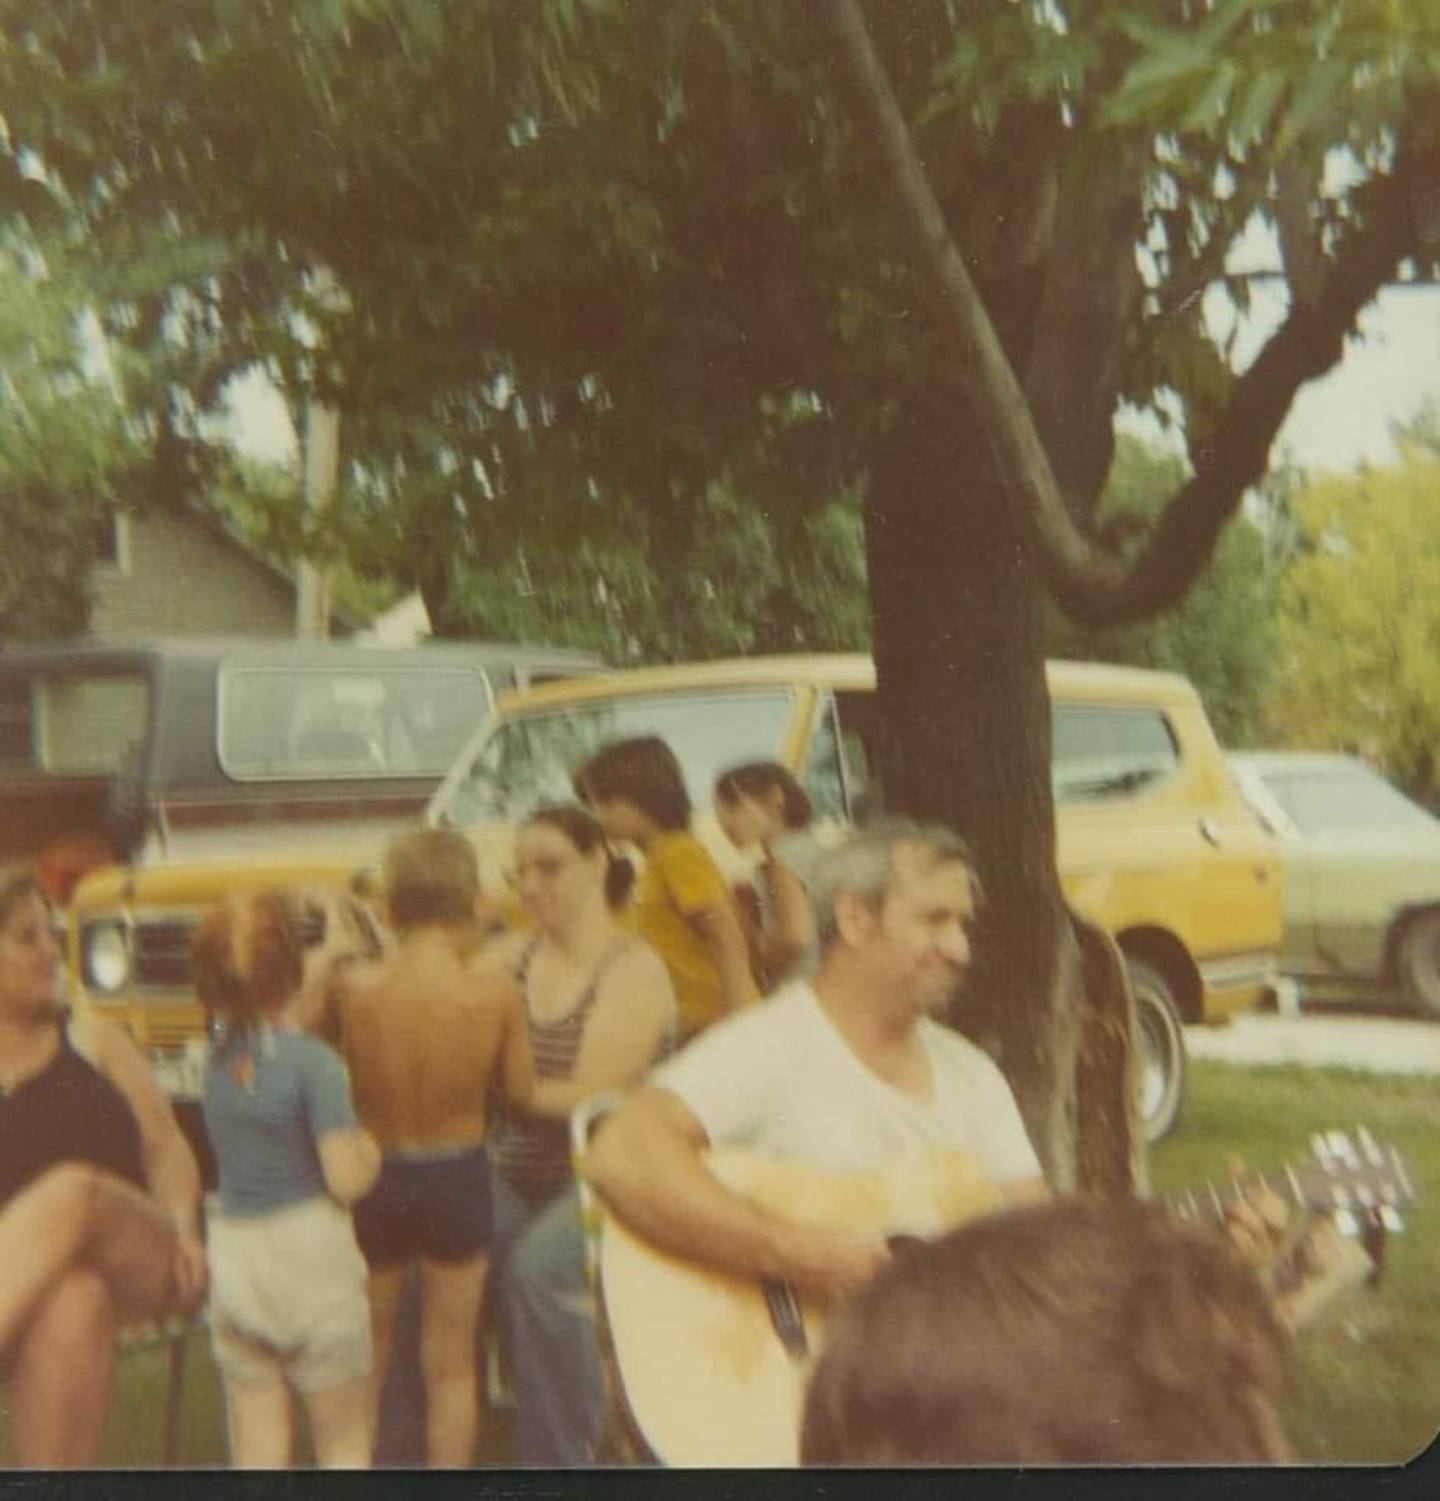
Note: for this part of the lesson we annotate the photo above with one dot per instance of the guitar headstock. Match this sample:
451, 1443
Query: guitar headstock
1360, 1181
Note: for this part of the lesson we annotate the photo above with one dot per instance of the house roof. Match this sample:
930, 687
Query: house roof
225, 531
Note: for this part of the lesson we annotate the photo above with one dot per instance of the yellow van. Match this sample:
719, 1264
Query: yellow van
1155, 841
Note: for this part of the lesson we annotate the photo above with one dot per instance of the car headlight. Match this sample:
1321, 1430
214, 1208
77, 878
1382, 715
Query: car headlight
107, 956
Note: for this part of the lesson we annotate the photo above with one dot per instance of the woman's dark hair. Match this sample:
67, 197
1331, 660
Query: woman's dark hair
756, 779
642, 771
583, 830
248, 958
1071, 1332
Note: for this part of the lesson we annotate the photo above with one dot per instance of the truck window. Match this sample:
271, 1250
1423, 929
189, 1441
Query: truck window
1103, 752
821, 775
296, 724
528, 758
72, 724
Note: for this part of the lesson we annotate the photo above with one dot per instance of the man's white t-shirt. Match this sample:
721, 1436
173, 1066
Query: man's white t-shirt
778, 1079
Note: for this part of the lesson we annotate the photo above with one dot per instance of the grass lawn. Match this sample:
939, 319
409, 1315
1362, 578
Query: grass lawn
1366, 1385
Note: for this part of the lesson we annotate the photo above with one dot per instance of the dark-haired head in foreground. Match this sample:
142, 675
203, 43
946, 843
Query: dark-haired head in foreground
1064, 1333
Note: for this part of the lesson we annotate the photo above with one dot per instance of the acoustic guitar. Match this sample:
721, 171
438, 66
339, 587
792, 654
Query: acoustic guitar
710, 1369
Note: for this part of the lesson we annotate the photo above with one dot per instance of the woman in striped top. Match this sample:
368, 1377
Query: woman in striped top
600, 1011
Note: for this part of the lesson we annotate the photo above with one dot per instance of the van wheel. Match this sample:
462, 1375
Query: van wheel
1418, 962
1160, 1044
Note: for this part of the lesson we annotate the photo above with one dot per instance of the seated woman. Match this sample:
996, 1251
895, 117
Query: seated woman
287, 1303
99, 1196
761, 803
600, 1010
1071, 1332
427, 1041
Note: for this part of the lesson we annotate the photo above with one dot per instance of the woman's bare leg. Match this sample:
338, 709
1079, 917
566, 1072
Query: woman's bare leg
259, 1420
340, 1425
450, 1297
74, 1214
63, 1379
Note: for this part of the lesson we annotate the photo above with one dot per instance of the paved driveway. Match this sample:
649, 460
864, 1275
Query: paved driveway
1385, 1044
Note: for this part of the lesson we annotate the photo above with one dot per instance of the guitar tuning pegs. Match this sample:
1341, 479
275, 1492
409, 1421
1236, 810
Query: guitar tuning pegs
1321, 1148
1371, 1148
1342, 1147
1346, 1223
1390, 1218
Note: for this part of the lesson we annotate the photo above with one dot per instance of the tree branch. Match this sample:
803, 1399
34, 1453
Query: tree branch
1090, 583
984, 371
1310, 341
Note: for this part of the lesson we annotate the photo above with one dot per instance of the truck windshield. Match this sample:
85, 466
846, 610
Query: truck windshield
71, 723
528, 758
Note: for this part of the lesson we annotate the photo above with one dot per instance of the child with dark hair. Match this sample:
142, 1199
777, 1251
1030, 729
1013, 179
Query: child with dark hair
1071, 1332
682, 904
761, 803
287, 1303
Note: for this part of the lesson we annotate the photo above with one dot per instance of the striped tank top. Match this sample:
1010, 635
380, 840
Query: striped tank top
532, 1153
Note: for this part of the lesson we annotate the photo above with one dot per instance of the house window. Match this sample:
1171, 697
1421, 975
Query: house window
112, 541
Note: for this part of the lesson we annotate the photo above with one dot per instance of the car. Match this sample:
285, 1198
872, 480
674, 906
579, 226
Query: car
1154, 841
1361, 868
148, 779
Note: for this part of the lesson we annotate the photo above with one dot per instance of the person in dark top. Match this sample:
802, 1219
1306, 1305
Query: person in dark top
99, 1195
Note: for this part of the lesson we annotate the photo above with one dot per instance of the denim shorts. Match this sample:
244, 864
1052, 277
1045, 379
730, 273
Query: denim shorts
436, 1207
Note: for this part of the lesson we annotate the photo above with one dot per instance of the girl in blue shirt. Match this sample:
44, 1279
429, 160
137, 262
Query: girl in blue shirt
288, 1305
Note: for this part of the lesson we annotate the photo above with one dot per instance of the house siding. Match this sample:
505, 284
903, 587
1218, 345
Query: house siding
180, 576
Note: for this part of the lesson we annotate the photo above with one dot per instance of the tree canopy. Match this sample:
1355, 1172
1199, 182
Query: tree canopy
1360, 620
575, 271
68, 455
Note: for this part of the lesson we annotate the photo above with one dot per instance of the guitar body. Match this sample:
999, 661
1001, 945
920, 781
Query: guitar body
711, 1374
705, 1374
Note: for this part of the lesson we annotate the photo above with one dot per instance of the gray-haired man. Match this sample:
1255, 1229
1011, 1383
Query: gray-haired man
844, 1072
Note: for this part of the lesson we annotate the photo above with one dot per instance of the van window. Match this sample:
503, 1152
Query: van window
301, 724
72, 724
1102, 752
528, 759
17, 724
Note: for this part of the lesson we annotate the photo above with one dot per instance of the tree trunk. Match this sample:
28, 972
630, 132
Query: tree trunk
966, 741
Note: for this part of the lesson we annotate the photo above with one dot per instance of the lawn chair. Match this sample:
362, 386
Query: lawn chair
173, 1334
618, 1441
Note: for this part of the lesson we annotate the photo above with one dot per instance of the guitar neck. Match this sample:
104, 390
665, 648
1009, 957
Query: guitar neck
1211, 1202
1343, 1176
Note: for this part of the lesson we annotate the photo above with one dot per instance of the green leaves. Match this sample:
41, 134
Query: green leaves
1222, 637
1360, 619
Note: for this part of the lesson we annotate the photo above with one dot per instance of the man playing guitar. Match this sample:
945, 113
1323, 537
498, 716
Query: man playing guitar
849, 1076
758, 1175
850, 1072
